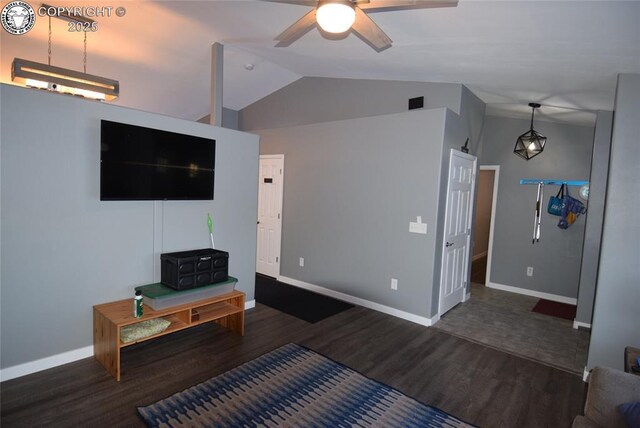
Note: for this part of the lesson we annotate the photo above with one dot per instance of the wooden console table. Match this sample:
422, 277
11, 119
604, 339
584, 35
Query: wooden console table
108, 318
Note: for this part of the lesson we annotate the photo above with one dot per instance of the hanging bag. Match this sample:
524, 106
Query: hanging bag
556, 202
571, 209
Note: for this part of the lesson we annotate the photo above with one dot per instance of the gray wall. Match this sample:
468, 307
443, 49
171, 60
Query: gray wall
229, 119
593, 226
63, 250
318, 99
350, 189
556, 258
472, 112
616, 316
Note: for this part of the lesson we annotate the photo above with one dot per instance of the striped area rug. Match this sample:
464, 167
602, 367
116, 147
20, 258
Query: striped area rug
293, 387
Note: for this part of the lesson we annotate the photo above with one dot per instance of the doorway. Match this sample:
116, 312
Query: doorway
269, 223
483, 227
505, 320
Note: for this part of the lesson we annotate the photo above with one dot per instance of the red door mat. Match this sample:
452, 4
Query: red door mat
555, 309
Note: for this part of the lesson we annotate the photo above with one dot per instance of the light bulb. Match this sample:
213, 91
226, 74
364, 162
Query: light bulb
336, 17
32, 83
531, 147
584, 192
54, 87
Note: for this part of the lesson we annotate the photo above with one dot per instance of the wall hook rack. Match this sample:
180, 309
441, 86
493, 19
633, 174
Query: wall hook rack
553, 182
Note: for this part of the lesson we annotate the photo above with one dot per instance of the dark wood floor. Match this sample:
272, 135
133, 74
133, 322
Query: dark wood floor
483, 386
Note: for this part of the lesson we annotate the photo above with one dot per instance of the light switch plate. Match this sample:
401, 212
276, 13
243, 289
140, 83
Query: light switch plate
418, 227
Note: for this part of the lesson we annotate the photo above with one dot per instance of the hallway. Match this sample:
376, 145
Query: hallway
479, 270
504, 321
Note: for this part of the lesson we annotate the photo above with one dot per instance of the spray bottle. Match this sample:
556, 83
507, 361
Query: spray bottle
137, 304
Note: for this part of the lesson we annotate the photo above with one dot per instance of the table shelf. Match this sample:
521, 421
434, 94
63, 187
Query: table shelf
176, 325
214, 311
108, 319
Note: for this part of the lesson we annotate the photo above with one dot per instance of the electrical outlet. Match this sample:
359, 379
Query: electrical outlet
394, 284
529, 271
301, 261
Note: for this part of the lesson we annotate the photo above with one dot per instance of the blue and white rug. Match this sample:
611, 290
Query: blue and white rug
293, 387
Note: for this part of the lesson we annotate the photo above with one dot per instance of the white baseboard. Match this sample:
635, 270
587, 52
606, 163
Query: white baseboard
479, 256
434, 319
45, 363
585, 375
533, 293
360, 302
577, 324
466, 297
60, 359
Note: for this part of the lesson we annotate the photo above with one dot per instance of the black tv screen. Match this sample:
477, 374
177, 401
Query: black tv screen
138, 163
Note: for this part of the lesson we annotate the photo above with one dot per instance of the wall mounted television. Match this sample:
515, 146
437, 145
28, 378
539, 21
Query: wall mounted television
138, 163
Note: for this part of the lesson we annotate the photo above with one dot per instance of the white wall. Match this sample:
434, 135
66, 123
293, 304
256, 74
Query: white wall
63, 250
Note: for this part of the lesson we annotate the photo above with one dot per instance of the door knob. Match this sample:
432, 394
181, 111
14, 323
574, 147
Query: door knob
448, 244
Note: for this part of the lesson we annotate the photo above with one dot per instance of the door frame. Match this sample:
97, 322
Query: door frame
279, 237
454, 152
492, 222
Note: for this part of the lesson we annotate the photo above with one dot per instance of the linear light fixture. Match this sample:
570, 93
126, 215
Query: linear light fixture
531, 143
57, 79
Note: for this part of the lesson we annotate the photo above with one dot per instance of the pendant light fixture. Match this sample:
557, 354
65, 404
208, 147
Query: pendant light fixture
335, 16
56, 79
531, 143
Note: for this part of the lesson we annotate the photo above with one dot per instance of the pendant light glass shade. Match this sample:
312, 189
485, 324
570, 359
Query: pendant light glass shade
531, 143
335, 16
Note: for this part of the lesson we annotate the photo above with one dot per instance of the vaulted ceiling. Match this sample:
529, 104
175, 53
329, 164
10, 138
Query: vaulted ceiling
563, 54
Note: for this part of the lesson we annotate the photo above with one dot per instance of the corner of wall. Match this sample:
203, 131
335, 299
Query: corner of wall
615, 314
595, 219
452, 134
472, 113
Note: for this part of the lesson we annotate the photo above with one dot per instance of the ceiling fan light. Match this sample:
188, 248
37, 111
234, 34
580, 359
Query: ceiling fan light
336, 17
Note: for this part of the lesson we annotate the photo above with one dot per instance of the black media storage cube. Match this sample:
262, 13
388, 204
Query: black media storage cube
194, 268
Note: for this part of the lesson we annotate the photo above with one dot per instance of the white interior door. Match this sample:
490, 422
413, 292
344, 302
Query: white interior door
270, 214
457, 229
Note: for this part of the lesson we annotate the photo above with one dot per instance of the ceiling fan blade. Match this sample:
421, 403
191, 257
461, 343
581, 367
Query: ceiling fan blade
388, 5
369, 32
310, 3
297, 30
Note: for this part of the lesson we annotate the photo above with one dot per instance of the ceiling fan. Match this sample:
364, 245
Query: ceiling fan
340, 16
